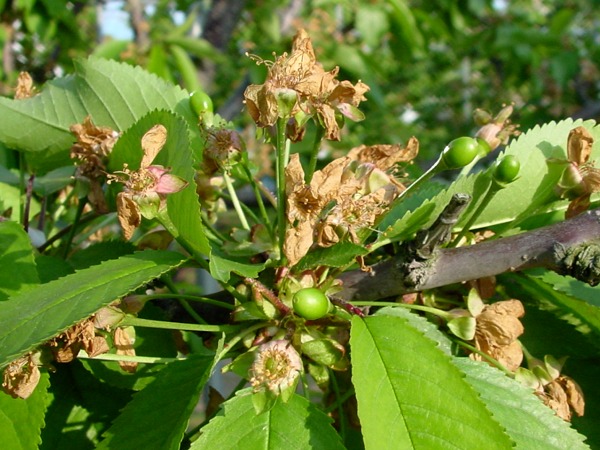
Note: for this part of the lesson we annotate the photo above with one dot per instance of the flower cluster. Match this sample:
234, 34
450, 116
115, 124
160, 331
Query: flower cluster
94, 335
346, 196
298, 87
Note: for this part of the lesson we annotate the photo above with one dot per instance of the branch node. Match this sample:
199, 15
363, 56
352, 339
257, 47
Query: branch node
582, 261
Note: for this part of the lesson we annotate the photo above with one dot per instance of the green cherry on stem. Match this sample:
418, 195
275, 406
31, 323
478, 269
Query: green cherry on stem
201, 103
311, 303
506, 170
460, 152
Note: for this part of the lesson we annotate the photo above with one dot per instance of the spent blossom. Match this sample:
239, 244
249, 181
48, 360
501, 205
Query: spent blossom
276, 368
298, 87
580, 179
145, 189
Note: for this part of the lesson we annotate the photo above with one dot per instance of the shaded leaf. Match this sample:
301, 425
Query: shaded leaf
31, 318
221, 267
585, 312
162, 409
19, 272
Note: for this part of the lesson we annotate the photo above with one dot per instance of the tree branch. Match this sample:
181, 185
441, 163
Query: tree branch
571, 247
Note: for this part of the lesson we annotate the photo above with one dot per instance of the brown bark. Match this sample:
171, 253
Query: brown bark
571, 248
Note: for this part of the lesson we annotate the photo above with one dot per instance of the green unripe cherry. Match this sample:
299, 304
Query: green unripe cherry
460, 152
506, 170
201, 102
311, 303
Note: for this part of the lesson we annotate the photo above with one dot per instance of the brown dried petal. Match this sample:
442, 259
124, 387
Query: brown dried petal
152, 143
346, 92
500, 321
124, 346
128, 214
21, 377
97, 346
327, 117
24, 87
298, 241
579, 145
261, 104
556, 398
578, 205
386, 157
318, 83
66, 346
574, 394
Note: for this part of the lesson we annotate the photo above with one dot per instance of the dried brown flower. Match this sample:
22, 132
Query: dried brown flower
498, 130
145, 189
564, 396
559, 392
580, 179
80, 336
24, 87
91, 150
297, 83
496, 333
21, 377
346, 196
276, 368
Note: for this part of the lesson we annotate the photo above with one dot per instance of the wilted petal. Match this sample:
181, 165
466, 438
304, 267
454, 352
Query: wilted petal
124, 345
298, 241
169, 183
21, 377
385, 157
579, 145
152, 143
24, 87
574, 394
128, 214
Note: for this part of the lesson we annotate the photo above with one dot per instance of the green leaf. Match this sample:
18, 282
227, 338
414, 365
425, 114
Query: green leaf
158, 415
296, 424
31, 318
535, 287
21, 421
335, 256
572, 287
80, 408
99, 252
530, 423
183, 207
19, 272
221, 267
421, 324
113, 94
409, 393
530, 194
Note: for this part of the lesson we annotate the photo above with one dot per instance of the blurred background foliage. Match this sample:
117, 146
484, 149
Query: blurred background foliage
429, 63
